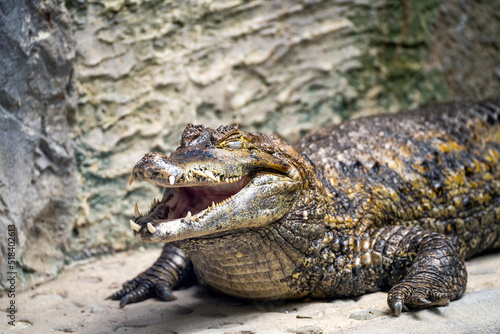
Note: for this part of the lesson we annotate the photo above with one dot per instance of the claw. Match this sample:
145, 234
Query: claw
166, 295
124, 301
397, 308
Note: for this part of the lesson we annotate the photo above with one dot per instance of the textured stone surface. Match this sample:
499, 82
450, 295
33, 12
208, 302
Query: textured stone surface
81, 307
37, 118
465, 44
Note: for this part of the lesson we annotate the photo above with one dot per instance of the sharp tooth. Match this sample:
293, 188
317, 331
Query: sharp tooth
218, 178
136, 211
210, 175
131, 179
151, 228
134, 226
199, 172
213, 205
171, 180
188, 217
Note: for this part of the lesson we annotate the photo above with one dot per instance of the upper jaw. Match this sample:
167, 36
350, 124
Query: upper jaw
189, 167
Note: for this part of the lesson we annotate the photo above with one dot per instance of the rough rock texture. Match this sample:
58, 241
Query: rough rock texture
146, 68
37, 118
465, 44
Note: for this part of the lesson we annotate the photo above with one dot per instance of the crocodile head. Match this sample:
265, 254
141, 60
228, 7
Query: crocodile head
216, 182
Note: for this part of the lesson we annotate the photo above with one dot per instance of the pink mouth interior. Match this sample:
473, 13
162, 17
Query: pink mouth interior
195, 199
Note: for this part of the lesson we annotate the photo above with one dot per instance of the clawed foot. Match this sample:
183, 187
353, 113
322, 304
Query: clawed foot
407, 295
170, 270
141, 288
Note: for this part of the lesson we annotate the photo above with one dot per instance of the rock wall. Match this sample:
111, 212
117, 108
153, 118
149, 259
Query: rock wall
146, 68
465, 45
38, 184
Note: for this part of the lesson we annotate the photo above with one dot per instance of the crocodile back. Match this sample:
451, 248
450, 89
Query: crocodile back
436, 167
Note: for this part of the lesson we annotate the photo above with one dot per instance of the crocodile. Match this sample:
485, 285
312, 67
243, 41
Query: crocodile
392, 202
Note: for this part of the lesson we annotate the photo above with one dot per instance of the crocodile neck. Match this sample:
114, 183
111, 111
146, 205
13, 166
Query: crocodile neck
255, 264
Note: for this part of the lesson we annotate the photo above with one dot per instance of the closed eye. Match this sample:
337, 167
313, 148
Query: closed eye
235, 145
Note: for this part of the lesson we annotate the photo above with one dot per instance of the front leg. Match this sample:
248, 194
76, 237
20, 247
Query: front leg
172, 269
424, 268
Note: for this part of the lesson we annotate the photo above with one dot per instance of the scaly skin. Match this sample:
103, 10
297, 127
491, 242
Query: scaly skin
390, 202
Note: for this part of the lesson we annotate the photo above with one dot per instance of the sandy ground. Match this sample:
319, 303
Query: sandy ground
75, 303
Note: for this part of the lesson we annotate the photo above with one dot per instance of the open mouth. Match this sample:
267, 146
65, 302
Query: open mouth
207, 194
188, 203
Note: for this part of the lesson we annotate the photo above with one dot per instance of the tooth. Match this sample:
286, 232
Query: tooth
134, 226
210, 175
218, 178
199, 172
188, 217
136, 211
213, 205
151, 228
171, 180
131, 179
